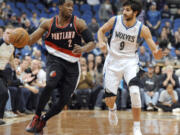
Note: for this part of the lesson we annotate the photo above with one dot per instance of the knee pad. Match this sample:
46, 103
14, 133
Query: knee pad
109, 94
135, 96
135, 81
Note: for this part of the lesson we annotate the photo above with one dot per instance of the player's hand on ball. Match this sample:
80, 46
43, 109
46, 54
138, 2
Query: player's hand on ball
158, 54
19, 37
77, 49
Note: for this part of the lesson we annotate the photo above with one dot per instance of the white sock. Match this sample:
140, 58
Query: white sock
137, 124
114, 108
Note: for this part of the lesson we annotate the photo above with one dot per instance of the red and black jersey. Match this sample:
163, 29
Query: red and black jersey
60, 40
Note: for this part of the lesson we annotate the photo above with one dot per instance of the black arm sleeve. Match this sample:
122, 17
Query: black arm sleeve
87, 35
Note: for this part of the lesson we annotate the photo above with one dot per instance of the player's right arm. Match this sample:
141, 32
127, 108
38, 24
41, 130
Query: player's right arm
102, 31
38, 33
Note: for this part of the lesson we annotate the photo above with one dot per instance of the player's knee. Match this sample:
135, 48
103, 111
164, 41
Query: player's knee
135, 96
134, 82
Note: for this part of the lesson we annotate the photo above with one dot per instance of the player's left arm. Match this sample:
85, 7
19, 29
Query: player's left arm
146, 34
86, 35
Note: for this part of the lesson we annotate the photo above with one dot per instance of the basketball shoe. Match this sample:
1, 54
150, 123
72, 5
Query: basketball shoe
137, 131
113, 119
31, 127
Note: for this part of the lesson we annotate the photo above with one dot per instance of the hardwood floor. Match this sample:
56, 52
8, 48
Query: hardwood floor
96, 123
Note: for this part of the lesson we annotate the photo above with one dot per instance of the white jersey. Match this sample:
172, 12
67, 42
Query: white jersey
6, 52
123, 41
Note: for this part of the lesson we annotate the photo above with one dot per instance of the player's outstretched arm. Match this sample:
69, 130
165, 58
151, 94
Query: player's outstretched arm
86, 35
146, 34
38, 33
102, 31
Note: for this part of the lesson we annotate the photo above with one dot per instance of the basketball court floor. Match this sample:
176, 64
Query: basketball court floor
96, 123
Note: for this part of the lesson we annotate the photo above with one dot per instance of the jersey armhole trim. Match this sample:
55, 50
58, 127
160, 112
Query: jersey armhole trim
75, 17
139, 32
114, 24
49, 31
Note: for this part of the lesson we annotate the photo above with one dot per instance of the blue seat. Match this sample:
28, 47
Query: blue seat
44, 15
1, 22
88, 13
30, 6
12, 4
18, 13
35, 1
76, 7
77, 13
96, 8
173, 52
85, 7
40, 7
87, 18
20, 5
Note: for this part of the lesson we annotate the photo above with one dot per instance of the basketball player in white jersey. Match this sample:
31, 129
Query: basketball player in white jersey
122, 59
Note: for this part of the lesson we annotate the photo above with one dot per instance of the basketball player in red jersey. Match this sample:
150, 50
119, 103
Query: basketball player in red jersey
63, 43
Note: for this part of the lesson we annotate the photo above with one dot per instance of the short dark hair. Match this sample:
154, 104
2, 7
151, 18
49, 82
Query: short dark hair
61, 2
136, 5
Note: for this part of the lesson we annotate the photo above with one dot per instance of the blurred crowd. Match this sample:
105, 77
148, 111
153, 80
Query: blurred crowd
160, 80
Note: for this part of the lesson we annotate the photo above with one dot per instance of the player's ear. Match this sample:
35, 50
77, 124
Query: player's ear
60, 7
135, 13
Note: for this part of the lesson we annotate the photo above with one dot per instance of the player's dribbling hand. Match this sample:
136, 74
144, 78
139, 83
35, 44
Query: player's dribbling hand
158, 54
77, 49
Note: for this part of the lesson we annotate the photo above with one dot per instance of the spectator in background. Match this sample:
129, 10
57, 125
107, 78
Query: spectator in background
23, 19
169, 32
48, 3
169, 77
105, 11
150, 83
13, 20
7, 12
93, 2
34, 20
177, 43
27, 25
90, 57
93, 26
119, 5
54, 10
98, 80
157, 71
168, 99
1, 31
165, 14
141, 16
153, 19
144, 57
177, 15
84, 87
163, 40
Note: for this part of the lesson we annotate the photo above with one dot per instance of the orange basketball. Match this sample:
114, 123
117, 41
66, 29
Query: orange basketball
19, 37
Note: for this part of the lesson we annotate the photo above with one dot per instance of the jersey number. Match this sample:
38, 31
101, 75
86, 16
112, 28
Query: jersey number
69, 43
122, 45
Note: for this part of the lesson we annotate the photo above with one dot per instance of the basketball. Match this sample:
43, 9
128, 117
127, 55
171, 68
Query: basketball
19, 37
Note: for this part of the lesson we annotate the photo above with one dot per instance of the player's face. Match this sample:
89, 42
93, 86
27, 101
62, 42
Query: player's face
6, 35
67, 8
128, 13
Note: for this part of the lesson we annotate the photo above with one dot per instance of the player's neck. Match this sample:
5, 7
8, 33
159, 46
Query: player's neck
62, 20
129, 23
